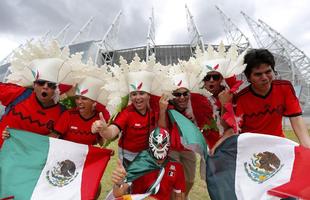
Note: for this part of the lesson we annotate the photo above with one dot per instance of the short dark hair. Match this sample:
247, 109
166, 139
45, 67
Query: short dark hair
256, 57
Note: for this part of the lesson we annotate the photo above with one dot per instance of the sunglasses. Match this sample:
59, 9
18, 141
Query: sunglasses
215, 77
49, 84
179, 94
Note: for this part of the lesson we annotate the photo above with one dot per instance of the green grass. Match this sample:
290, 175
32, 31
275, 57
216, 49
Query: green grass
199, 190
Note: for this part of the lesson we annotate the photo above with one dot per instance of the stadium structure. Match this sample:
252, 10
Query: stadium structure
291, 62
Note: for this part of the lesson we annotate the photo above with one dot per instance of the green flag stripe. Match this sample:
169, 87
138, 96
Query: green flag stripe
190, 134
20, 157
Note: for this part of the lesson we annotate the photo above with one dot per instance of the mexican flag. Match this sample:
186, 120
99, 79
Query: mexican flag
257, 166
190, 136
33, 166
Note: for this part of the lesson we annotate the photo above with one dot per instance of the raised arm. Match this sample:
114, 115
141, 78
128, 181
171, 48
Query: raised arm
300, 130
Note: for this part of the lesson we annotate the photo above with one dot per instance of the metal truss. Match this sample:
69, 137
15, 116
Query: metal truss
291, 63
298, 57
265, 40
106, 45
61, 36
150, 40
196, 38
85, 30
233, 34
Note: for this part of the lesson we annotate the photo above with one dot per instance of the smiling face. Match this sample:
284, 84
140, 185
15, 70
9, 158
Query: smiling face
85, 106
45, 91
261, 78
181, 98
212, 82
140, 100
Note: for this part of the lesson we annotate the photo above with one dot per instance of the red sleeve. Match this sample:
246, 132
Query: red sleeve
154, 103
105, 112
180, 180
9, 92
292, 107
202, 109
231, 81
62, 124
121, 119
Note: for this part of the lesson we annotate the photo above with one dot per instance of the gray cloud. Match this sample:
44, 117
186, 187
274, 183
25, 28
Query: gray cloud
33, 18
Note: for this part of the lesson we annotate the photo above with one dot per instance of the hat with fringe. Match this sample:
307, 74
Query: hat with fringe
185, 74
227, 63
90, 82
125, 78
49, 62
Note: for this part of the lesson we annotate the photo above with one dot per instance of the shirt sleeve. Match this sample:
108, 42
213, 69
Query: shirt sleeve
103, 109
62, 124
292, 107
9, 92
121, 120
179, 185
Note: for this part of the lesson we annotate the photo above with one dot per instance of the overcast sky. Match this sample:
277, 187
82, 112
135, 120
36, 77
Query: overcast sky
21, 20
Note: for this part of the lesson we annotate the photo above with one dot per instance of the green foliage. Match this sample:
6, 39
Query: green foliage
69, 102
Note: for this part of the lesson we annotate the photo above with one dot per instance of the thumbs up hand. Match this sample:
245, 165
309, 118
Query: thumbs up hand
119, 173
99, 125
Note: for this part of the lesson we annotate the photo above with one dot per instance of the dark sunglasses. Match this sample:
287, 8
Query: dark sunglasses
179, 94
215, 77
49, 84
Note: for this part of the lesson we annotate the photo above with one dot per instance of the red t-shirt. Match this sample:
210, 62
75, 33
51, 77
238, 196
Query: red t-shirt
73, 127
29, 114
135, 128
263, 114
173, 180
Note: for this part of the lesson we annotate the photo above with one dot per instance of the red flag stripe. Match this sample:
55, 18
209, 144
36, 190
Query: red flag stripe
94, 167
299, 185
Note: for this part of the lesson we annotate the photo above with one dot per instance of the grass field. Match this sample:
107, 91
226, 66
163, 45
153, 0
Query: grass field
199, 191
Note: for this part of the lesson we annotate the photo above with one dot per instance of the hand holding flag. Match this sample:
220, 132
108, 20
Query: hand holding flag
5, 133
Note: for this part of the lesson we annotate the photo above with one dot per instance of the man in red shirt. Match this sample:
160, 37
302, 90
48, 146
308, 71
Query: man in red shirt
38, 111
172, 181
196, 108
220, 80
265, 101
135, 122
75, 124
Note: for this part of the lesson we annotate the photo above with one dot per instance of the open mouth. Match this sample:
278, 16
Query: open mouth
44, 94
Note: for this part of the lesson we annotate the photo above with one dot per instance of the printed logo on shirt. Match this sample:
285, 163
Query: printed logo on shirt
74, 127
171, 173
137, 125
172, 167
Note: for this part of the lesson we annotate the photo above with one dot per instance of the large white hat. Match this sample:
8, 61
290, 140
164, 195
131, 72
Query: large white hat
185, 74
228, 63
140, 81
46, 69
91, 87
125, 78
43, 61
180, 80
